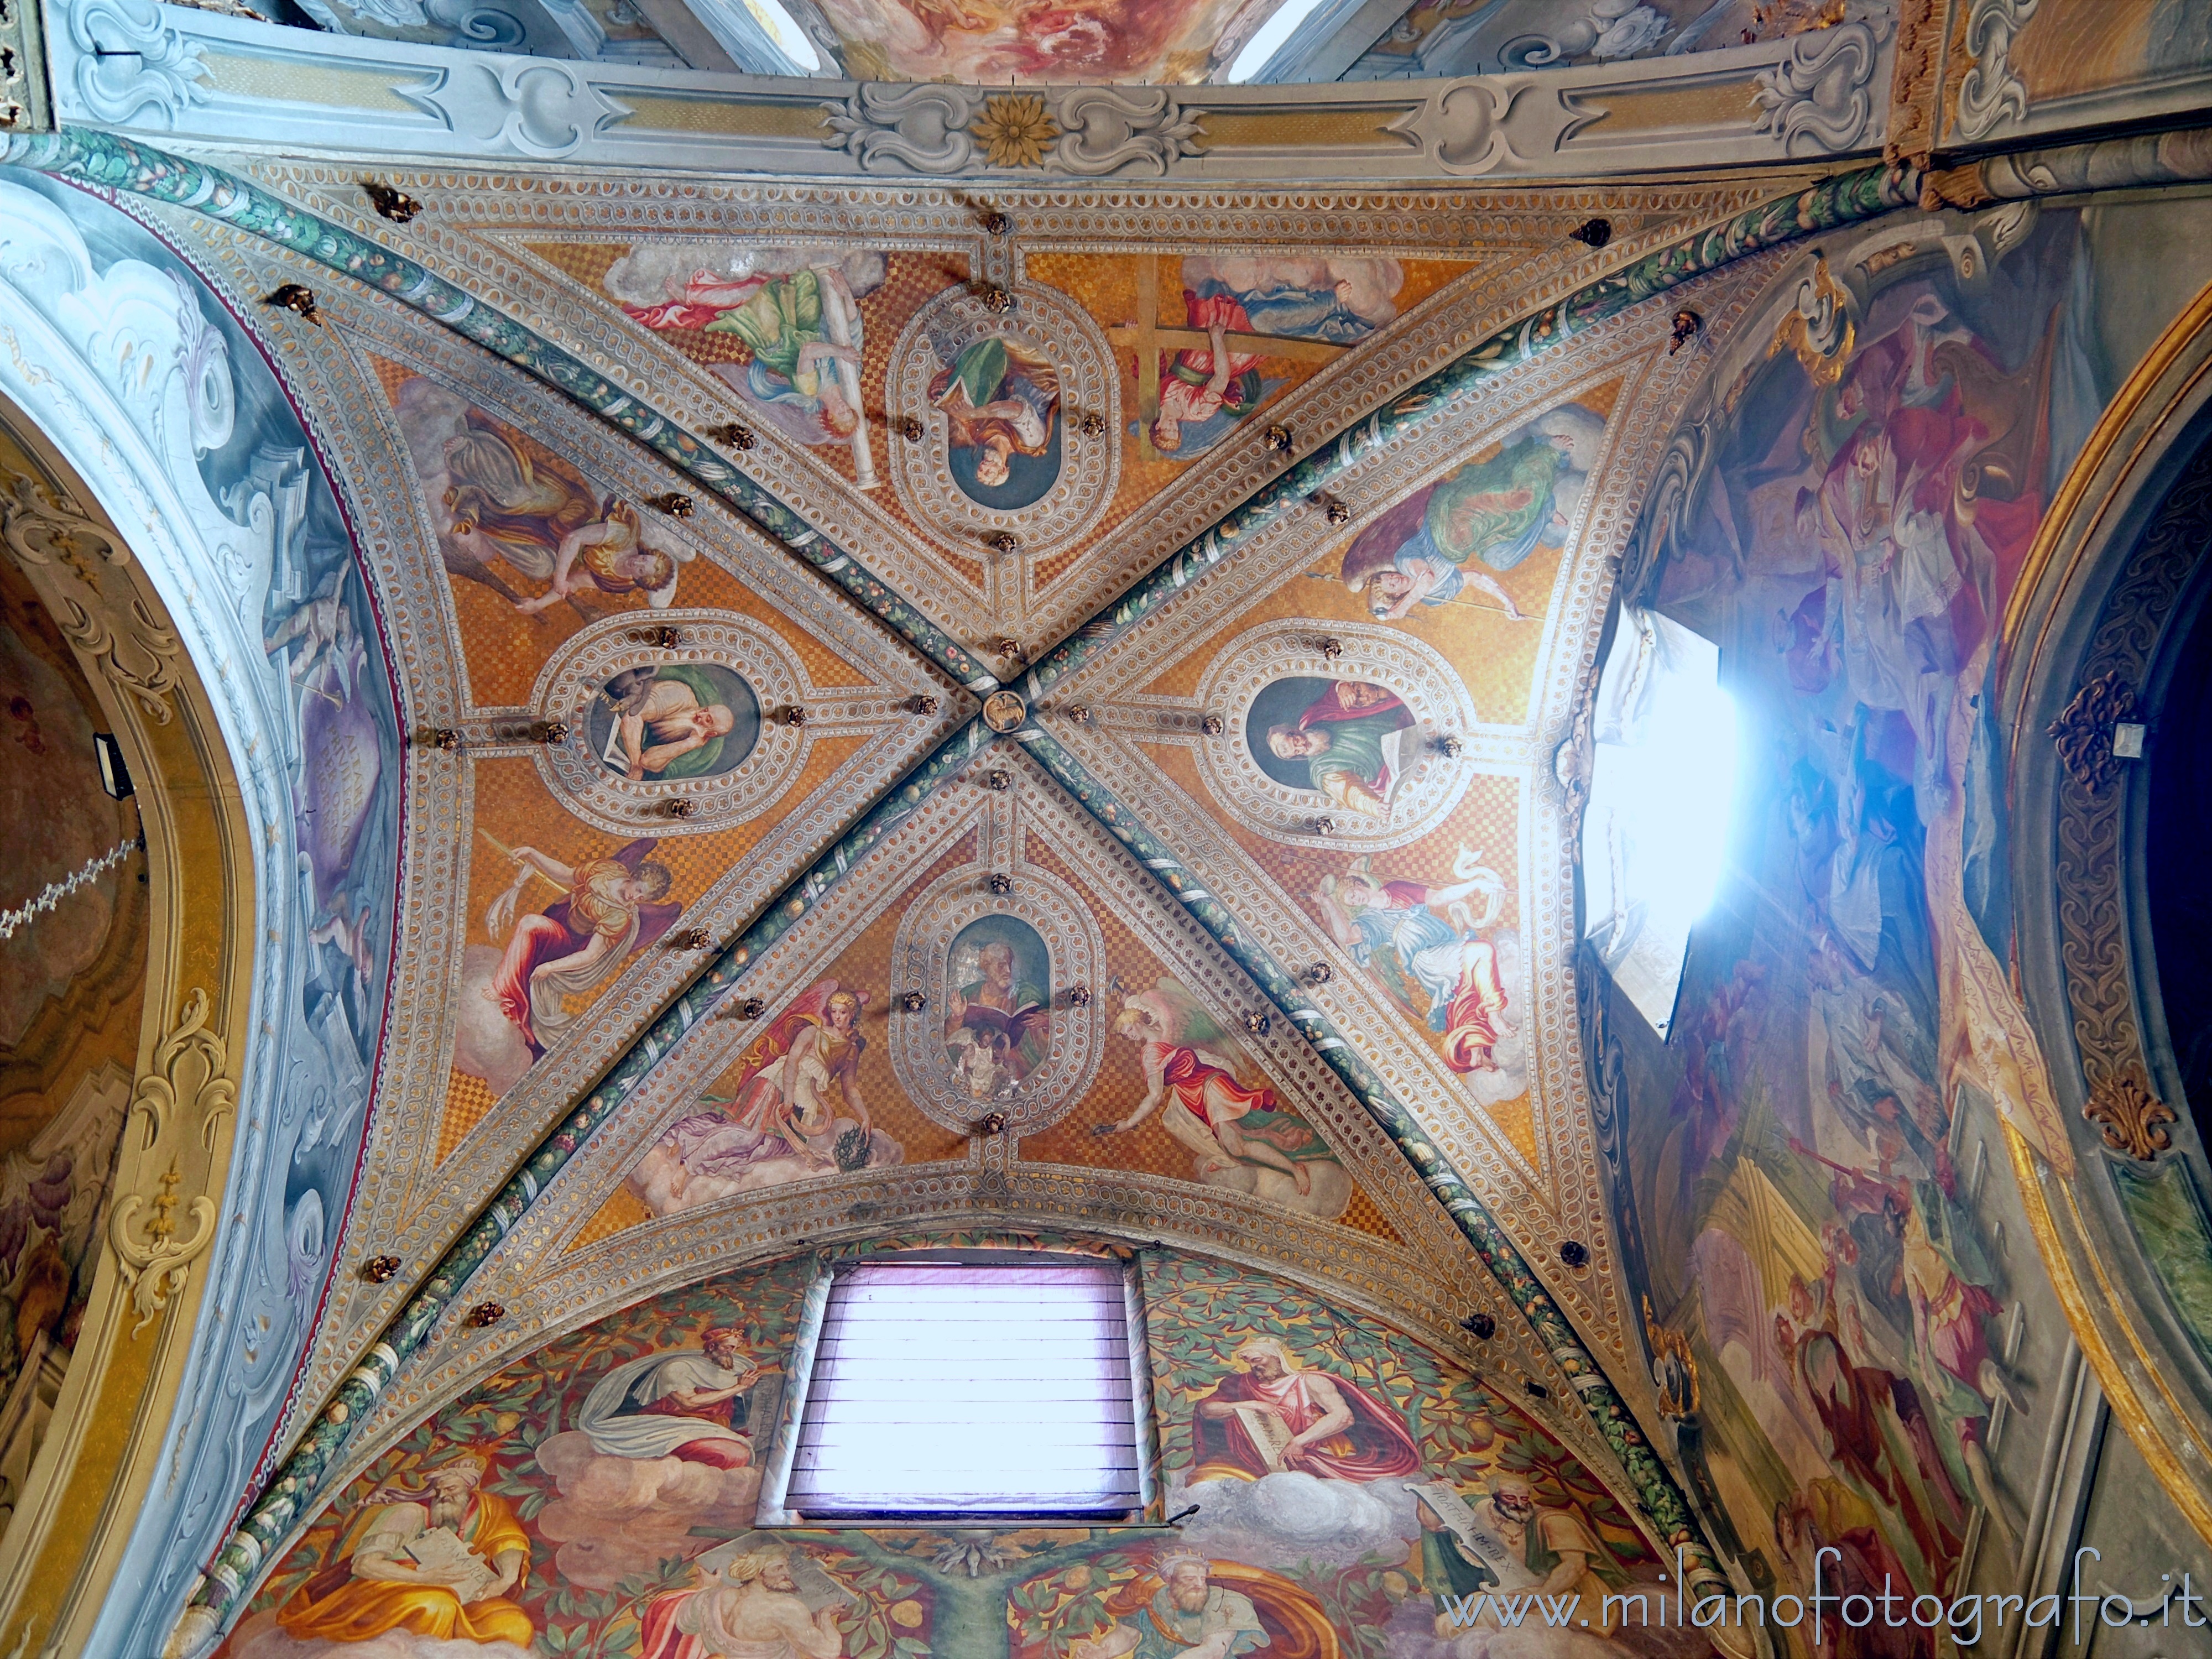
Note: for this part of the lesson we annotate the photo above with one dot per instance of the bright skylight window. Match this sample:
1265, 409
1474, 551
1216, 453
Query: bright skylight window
760, 36
784, 30
1663, 793
968, 1389
1278, 27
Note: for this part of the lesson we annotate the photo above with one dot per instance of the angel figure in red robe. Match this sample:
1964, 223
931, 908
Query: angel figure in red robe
1273, 1416
611, 907
1240, 1135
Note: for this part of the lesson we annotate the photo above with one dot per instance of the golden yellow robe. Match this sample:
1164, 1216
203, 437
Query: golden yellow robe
357, 1609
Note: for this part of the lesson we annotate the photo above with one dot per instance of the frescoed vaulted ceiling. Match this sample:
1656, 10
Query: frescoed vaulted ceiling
1021, 667
532, 555
1151, 42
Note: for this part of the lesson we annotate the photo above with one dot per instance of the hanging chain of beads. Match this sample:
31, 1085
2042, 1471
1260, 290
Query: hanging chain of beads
10, 921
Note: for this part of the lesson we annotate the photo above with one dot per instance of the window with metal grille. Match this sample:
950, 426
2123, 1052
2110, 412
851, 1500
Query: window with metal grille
947, 1389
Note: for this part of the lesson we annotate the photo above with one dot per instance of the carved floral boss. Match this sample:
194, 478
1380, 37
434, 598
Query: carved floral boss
1014, 131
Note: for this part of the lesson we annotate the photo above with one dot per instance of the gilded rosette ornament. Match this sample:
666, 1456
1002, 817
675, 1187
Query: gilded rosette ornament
1014, 131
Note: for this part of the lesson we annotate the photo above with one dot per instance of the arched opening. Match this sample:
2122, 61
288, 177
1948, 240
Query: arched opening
74, 936
2176, 897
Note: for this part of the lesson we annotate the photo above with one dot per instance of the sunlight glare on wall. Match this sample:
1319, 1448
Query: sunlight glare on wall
1663, 793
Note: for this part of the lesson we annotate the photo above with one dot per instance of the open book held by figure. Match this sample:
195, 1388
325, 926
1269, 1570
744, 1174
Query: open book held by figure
441, 1555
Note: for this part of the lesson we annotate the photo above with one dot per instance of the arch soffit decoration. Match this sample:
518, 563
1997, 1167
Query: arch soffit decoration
2104, 583
134, 1352
126, 379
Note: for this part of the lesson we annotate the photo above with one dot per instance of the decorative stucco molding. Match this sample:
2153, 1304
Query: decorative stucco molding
1822, 99
1989, 94
131, 65
187, 1093
916, 128
526, 106
139, 63
1106, 129
134, 651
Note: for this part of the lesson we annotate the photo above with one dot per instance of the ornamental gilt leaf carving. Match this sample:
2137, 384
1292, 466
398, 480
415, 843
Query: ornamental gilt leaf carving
2129, 1117
185, 1087
72, 552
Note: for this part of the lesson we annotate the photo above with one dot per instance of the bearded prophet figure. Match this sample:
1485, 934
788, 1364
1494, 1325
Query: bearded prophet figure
996, 1021
613, 907
387, 1577
749, 1607
1340, 737
1272, 1415
1191, 1617
680, 709
690, 1406
1190, 1606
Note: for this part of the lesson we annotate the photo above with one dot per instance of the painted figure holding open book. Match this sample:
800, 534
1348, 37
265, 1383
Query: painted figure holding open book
998, 1000
435, 1560
1272, 1416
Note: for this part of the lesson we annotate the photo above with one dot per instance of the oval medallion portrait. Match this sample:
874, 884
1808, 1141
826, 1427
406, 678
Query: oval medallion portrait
997, 399
673, 719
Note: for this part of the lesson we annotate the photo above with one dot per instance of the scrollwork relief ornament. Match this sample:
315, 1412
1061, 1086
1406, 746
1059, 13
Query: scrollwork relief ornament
2128, 1115
923, 129
1085, 131
1819, 101
68, 550
155, 1263
132, 68
1989, 93
1608, 30
2084, 732
1818, 330
532, 107
1469, 128
1105, 129
186, 1088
